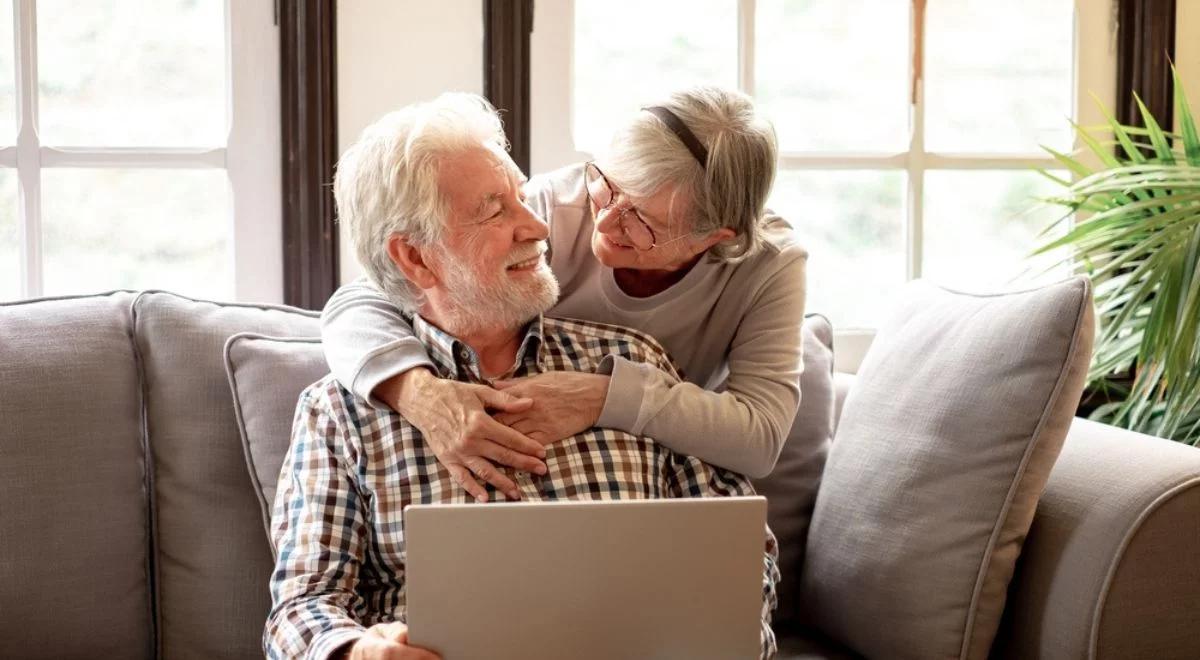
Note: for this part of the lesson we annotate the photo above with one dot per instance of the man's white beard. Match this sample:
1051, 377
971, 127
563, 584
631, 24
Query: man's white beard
477, 302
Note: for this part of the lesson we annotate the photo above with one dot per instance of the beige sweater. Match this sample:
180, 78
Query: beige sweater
733, 329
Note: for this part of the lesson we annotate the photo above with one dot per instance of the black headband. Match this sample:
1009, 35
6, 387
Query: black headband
681, 131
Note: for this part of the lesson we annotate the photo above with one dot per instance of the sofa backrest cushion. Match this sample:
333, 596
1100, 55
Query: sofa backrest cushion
791, 488
266, 377
212, 565
74, 565
944, 446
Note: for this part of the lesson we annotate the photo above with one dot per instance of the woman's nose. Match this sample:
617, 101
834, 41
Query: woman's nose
608, 220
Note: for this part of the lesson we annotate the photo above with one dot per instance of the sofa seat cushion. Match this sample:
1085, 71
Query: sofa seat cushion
944, 446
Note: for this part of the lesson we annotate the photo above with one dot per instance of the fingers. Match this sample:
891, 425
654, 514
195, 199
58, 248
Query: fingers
501, 455
505, 384
511, 438
417, 653
393, 643
395, 631
463, 476
489, 473
495, 400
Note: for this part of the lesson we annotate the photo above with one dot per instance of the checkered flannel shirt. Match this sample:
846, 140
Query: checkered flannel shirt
352, 468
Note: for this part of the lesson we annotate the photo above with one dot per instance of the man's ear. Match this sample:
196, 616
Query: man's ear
411, 261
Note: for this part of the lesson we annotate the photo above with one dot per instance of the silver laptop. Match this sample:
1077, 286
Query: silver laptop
679, 578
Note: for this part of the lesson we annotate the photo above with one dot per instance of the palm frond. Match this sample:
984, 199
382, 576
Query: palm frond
1140, 245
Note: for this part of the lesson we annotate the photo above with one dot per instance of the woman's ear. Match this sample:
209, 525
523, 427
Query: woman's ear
718, 236
410, 260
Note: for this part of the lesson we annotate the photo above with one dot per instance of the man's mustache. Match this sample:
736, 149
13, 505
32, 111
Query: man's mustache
526, 252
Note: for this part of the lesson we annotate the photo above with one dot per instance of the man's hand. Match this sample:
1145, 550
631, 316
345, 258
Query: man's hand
564, 403
387, 641
454, 419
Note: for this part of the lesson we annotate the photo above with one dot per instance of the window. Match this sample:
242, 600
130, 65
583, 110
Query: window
142, 148
894, 165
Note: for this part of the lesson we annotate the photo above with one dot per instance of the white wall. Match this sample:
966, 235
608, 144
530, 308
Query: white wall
1187, 50
395, 52
553, 144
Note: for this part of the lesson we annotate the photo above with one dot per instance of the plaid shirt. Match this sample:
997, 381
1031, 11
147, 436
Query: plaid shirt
352, 468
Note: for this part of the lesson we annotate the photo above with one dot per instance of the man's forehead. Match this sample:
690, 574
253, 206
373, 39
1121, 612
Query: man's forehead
474, 178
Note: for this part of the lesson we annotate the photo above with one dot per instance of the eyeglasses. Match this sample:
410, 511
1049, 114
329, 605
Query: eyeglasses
604, 196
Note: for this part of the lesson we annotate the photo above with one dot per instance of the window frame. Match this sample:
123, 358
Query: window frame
249, 155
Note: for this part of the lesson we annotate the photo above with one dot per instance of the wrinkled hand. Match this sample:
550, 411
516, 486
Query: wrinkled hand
387, 641
454, 419
564, 403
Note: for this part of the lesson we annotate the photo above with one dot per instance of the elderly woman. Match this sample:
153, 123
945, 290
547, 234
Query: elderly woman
665, 233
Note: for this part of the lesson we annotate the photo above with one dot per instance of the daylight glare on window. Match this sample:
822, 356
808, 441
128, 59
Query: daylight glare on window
836, 79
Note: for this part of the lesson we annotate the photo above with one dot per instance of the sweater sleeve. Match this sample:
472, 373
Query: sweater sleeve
742, 428
367, 340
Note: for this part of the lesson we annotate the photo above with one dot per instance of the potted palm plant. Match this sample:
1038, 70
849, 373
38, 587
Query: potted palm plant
1136, 235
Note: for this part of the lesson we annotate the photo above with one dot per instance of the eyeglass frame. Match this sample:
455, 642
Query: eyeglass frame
621, 217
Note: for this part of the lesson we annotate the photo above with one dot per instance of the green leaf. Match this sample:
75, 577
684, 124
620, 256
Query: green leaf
1162, 147
1120, 133
1187, 126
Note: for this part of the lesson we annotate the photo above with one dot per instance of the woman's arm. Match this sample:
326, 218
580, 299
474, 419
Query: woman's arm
367, 340
371, 350
744, 427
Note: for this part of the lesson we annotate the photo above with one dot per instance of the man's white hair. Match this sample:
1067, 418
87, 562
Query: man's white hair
387, 181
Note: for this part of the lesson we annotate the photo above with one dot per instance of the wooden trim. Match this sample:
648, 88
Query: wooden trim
1145, 50
308, 103
507, 25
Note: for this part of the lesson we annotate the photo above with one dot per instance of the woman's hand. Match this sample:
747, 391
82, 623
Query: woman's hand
564, 403
454, 419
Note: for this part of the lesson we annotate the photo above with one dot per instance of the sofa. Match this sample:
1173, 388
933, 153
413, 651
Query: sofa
130, 528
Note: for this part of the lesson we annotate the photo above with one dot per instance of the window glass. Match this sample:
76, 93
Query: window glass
998, 75
629, 53
8, 94
852, 223
830, 80
123, 228
142, 73
980, 227
10, 261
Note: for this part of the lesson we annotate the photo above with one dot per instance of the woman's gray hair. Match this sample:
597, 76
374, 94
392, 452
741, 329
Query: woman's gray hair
387, 181
730, 190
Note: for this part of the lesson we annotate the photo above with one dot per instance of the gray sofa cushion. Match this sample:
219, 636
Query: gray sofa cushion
213, 564
266, 377
791, 489
74, 570
943, 448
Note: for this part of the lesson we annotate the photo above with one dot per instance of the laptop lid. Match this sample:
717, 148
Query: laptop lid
677, 578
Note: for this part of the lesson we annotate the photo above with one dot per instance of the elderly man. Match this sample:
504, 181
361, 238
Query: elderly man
437, 214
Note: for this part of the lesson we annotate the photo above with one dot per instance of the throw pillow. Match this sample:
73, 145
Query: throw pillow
791, 489
266, 377
944, 446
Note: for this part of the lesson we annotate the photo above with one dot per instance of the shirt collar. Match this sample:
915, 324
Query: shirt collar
456, 360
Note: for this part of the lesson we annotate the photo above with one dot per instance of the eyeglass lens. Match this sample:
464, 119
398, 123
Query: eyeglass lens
603, 196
